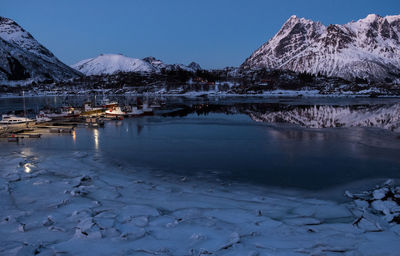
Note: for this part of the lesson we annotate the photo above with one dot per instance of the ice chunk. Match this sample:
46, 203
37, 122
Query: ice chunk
379, 194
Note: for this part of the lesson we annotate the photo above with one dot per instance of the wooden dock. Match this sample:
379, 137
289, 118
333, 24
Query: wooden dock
15, 132
33, 130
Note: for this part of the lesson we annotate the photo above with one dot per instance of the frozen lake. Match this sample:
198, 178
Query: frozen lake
242, 176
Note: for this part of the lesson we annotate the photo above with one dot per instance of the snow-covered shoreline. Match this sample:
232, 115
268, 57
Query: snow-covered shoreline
76, 204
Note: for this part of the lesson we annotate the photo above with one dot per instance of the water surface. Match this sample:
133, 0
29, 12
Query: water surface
230, 146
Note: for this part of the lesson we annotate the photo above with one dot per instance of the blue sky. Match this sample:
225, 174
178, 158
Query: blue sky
214, 33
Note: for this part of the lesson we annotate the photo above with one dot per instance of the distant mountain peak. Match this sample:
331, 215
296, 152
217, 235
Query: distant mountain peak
106, 64
112, 63
368, 48
195, 66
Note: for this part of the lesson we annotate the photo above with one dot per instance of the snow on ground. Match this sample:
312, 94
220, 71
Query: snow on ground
74, 204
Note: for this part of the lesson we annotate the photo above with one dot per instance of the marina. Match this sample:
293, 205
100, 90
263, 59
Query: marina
65, 119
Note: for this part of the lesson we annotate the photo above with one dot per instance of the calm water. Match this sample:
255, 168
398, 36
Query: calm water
234, 147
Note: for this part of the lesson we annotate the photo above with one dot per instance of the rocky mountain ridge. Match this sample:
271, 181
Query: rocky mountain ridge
367, 49
23, 58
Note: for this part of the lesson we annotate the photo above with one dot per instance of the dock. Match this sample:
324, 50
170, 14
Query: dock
32, 130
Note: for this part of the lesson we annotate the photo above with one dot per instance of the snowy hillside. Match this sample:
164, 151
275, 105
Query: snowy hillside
368, 48
112, 63
24, 60
107, 64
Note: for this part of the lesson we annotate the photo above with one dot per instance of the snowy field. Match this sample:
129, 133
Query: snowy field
76, 204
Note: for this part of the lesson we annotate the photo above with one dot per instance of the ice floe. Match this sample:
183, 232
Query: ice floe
77, 204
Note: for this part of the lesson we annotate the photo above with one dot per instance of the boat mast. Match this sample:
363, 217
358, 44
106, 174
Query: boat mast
23, 96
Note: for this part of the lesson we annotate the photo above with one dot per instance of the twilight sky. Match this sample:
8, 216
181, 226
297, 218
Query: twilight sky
214, 33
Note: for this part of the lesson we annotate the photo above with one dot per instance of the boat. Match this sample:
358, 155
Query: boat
13, 138
88, 110
110, 104
115, 111
66, 112
107, 103
12, 119
42, 118
135, 112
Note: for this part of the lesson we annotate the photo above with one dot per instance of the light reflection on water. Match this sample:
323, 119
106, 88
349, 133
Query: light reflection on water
73, 136
96, 139
27, 168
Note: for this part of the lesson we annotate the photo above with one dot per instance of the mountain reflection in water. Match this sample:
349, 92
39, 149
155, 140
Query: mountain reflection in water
317, 116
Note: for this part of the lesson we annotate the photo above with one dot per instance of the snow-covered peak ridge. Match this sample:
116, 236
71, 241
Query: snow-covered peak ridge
107, 64
368, 48
160, 65
11, 32
392, 18
374, 17
112, 63
370, 18
155, 62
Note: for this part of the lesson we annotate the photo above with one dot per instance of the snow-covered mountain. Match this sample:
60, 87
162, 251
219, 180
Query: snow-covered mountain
112, 63
368, 48
23, 59
106, 64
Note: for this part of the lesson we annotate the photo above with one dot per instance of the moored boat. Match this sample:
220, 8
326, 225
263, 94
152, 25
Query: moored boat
12, 119
115, 111
66, 112
135, 112
42, 118
88, 110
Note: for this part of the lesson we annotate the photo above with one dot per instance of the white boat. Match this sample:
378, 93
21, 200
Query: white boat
42, 118
12, 119
135, 112
66, 112
115, 111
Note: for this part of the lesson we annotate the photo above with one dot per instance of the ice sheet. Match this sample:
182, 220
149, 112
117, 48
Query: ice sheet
76, 204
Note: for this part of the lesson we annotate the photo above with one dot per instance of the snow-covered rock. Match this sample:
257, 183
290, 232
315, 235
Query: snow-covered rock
25, 60
368, 48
